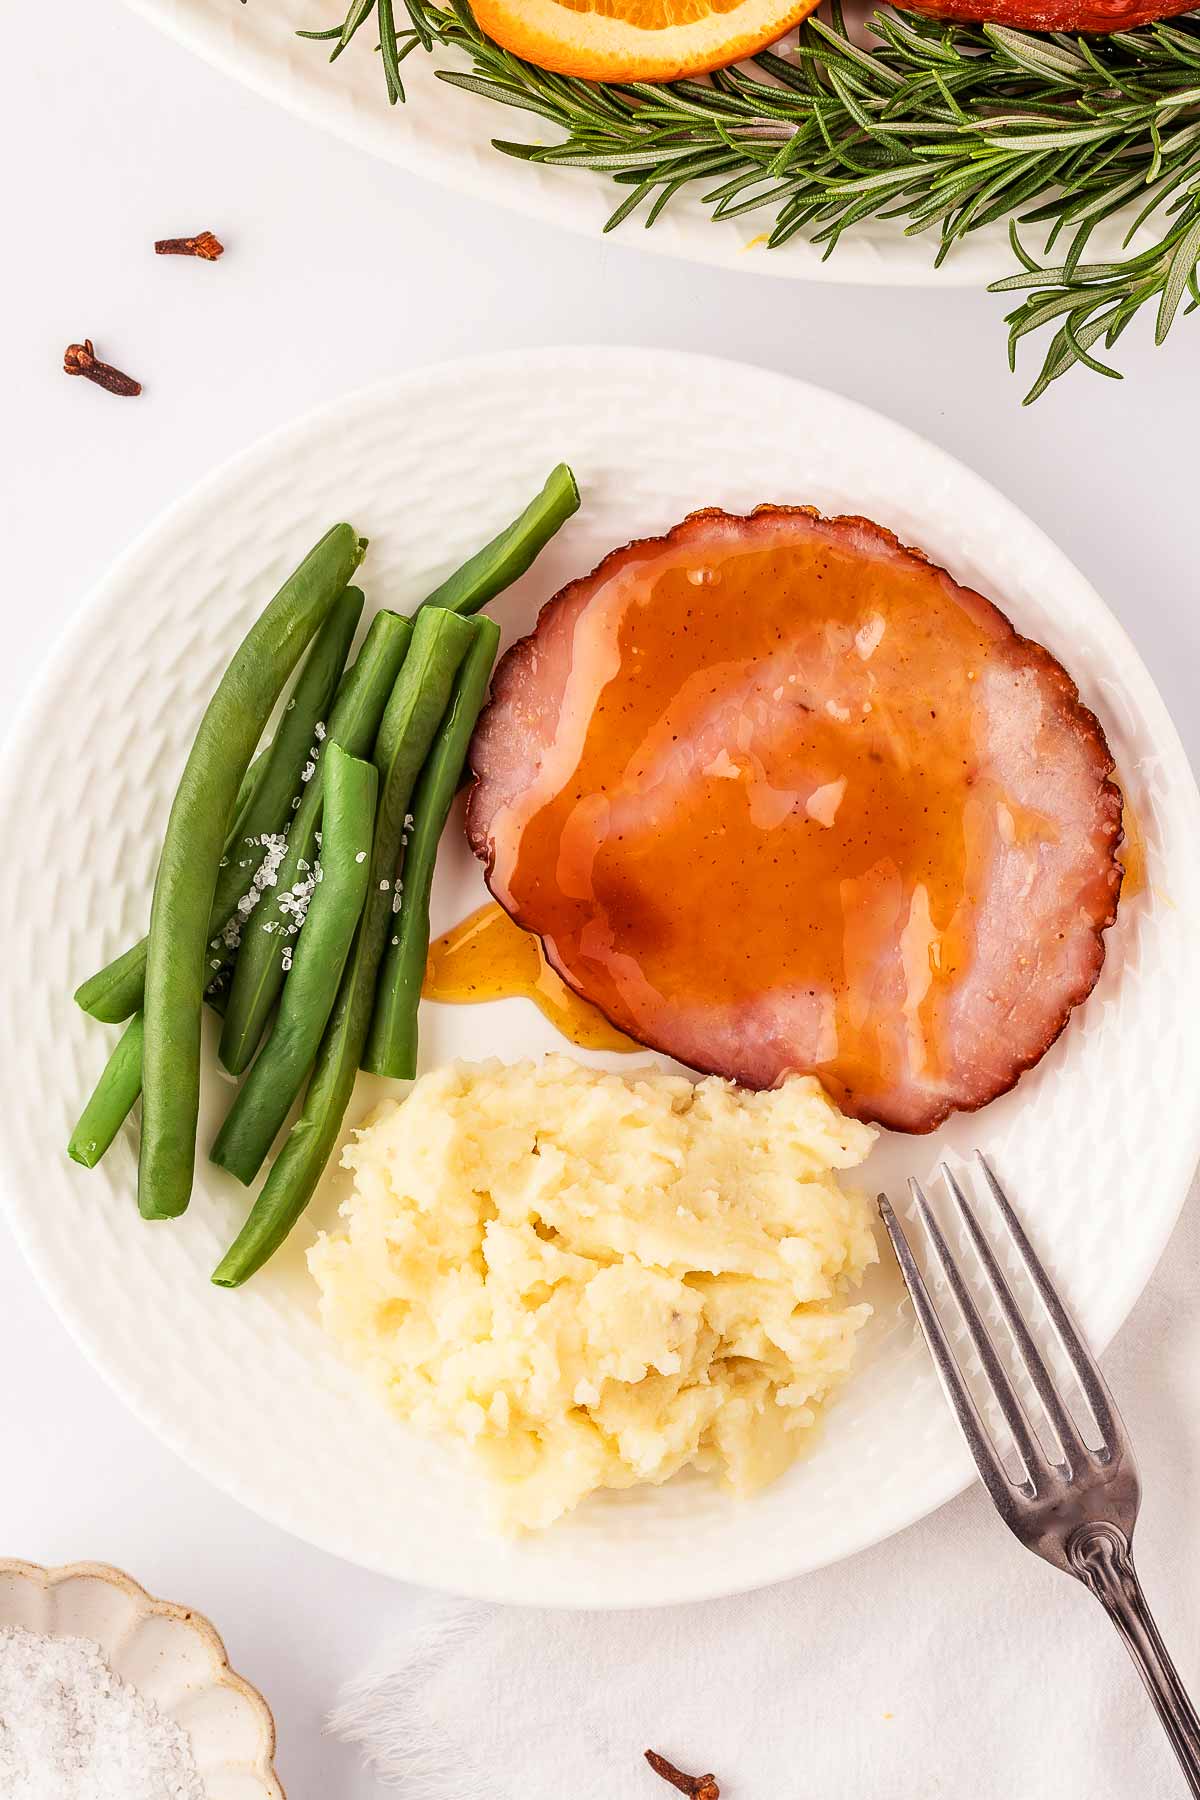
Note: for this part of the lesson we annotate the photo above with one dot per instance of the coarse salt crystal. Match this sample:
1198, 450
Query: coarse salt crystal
273, 845
295, 902
72, 1729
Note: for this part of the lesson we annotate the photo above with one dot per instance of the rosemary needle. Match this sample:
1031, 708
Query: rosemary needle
943, 128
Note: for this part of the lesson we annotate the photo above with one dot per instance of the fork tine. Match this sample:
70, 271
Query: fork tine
1083, 1363
1074, 1449
1036, 1463
987, 1460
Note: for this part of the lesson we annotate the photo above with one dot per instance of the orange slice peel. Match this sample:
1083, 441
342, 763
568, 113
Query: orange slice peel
637, 40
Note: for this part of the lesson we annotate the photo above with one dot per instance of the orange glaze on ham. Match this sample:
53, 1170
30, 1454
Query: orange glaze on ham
778, 795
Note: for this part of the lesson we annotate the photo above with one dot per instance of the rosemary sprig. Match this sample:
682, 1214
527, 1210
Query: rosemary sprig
946, 127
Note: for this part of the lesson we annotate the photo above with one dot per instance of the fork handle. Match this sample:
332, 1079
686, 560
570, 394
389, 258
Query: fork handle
1101, 1557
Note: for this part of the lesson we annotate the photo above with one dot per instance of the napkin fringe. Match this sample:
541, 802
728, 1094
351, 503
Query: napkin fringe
380, 1710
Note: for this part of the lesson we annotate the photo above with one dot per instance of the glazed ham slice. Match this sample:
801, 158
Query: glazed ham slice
778, 795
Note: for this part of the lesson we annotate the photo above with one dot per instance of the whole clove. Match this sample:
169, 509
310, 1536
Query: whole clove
81, 359
701, 1787
204, 245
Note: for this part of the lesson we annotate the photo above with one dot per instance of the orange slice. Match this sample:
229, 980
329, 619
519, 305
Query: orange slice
637, 40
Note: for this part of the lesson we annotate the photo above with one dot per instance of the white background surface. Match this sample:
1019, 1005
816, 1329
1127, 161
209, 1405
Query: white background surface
338, 270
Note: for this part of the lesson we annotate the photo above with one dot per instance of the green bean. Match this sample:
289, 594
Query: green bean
190, 861
266, 809
263, 808
440, 641
353, 724
507, 557
392, 1045
249, 788
323, 945
120, 1084
112, 1099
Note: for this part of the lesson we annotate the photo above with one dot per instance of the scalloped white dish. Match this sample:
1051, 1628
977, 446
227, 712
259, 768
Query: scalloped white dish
446, 135
169, 1653
1092, 1144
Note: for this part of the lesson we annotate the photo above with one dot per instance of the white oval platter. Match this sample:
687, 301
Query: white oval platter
446, 134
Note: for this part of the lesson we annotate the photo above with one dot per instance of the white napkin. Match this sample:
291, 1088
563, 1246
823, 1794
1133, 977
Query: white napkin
946, 1662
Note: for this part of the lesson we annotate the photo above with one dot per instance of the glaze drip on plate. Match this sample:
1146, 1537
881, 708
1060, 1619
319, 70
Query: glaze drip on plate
486, 957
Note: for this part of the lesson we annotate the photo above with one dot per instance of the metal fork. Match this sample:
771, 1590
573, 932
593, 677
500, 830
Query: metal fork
1077, 1507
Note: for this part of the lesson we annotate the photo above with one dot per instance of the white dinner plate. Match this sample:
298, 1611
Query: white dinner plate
446, 134
1097, 1144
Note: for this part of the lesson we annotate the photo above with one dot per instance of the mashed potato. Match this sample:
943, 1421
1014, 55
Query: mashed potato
595, 1280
